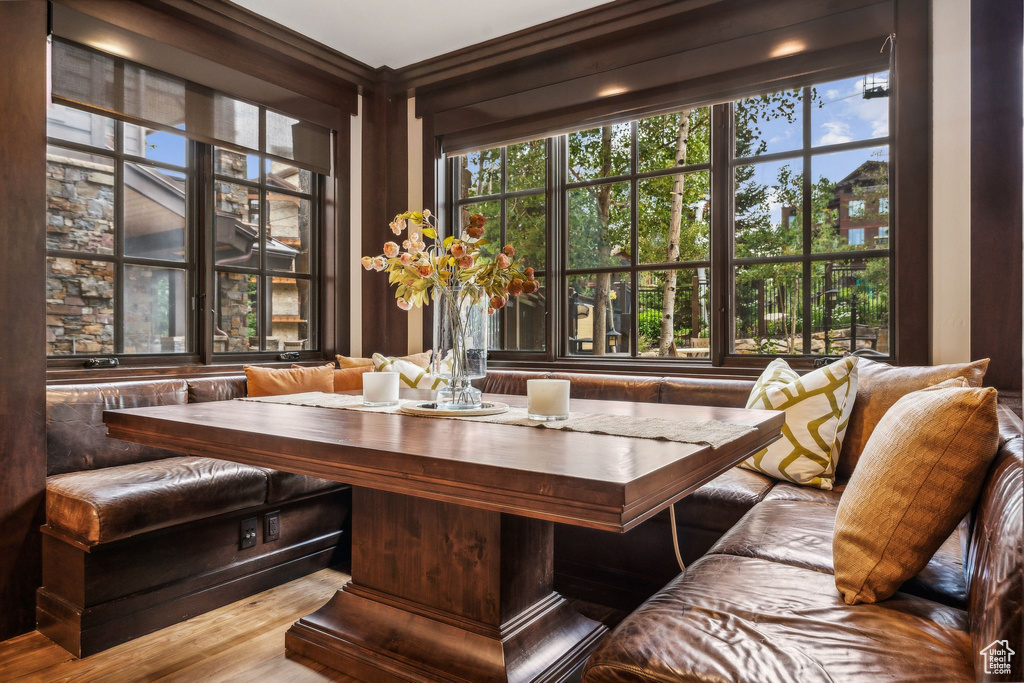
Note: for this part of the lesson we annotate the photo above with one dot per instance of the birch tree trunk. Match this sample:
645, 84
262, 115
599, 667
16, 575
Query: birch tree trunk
667, 341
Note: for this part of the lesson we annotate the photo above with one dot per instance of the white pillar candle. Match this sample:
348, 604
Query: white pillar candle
380, 388
547, 399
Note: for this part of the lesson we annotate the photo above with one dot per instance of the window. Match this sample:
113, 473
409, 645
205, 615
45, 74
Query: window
123, 235
626, 209
804, 278
638, 245
264, 213
508, 186
120, 262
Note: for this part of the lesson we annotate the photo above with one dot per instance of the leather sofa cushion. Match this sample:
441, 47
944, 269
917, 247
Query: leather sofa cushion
283, 486
202, 390
76, 438
613, 387
723, 393
510, 382
786, 491
720, 503
98, 506
799, 533
731, 618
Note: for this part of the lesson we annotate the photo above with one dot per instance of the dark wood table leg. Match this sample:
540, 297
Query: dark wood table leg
446, 592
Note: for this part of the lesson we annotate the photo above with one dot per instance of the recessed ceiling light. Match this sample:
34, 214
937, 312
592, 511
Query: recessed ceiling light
788, 47
612, 90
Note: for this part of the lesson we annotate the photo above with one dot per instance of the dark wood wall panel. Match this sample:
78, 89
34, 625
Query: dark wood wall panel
911, 179
996, 240
22, 324
385, 180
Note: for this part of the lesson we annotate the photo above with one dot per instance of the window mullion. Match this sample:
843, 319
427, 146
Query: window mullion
721, 232
634, 234
808, 216
119, 269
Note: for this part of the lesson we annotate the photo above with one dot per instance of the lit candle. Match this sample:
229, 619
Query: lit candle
547, 399
380, 388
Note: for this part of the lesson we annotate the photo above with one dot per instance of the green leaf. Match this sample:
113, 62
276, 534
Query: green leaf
447, 244
430, 232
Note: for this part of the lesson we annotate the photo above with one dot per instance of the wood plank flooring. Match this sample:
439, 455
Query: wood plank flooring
243, 641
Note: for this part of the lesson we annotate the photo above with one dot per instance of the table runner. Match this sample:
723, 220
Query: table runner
713, 433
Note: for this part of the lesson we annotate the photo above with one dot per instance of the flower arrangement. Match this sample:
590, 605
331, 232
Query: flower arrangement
451, 265
463, 278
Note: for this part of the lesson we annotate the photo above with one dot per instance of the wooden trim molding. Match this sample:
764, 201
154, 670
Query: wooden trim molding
997, 32
22, 325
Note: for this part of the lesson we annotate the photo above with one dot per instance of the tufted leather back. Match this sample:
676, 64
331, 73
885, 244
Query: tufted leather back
76, 438
205, 389
993, 565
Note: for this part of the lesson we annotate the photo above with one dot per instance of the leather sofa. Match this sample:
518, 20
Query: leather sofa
137, 538
759, 603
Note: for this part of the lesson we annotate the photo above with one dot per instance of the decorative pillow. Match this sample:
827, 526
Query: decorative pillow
920, 473
413, 375
880, 385
294, 380
817, 408
420, 359
349, 379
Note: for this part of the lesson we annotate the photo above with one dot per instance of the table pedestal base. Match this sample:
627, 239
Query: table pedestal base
445, 592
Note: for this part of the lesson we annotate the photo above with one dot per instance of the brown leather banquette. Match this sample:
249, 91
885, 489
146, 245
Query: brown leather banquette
137, 538
759, 603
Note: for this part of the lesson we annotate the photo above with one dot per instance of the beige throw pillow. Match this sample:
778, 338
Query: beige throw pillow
920, 473
880, 385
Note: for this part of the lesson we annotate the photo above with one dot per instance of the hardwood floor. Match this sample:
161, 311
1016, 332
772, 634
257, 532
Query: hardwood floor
243, 641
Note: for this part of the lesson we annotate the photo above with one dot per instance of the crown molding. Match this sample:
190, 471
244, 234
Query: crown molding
535, 40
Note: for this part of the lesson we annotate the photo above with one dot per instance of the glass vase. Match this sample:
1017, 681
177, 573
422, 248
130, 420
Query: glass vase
460, 345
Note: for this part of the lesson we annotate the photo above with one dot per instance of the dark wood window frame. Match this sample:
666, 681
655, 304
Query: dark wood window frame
200, 269
722, 361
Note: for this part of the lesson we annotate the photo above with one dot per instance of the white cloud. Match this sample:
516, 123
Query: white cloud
836, 132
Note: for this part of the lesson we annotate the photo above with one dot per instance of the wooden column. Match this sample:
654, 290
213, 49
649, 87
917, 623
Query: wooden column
385, 193
996, 240
22, 301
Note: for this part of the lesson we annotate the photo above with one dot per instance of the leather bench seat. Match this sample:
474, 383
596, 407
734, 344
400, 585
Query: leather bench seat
103, 505
800, 533
720, 503
735, 618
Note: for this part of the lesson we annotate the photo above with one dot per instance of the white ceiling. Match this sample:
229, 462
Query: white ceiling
397, 33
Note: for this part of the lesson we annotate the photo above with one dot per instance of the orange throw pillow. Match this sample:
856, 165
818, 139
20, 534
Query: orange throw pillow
348, 379
280, 381
345, 362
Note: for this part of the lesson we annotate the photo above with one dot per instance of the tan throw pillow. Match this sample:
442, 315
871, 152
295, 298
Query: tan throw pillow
280, 381
920, 473
353, 362
880, 385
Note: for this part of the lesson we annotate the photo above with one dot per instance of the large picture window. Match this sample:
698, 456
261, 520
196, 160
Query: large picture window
627, 222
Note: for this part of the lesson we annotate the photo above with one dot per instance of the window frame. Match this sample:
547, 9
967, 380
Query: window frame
200, 263
262, 272
722, 360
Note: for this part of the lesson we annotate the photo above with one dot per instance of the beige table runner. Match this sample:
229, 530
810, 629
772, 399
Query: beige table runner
713, 433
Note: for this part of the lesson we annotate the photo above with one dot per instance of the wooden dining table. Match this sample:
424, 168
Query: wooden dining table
452, 522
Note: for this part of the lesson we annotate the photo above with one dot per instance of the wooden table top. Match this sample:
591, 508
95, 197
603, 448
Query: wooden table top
594, 480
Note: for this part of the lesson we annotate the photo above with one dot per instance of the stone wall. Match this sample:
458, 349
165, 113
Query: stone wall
79, 291
233, 321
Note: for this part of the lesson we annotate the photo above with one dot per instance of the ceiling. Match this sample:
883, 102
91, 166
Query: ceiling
397, 33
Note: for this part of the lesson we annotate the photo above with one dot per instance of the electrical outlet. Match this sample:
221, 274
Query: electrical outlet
271, 526
247, 537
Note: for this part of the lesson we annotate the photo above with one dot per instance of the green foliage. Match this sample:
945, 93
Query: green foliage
650, 324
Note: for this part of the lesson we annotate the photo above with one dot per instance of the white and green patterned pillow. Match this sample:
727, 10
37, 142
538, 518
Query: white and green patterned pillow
817, 407
412, 375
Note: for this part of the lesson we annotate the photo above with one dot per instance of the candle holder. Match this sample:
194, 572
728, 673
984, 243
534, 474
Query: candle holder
380, 389
547, 399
